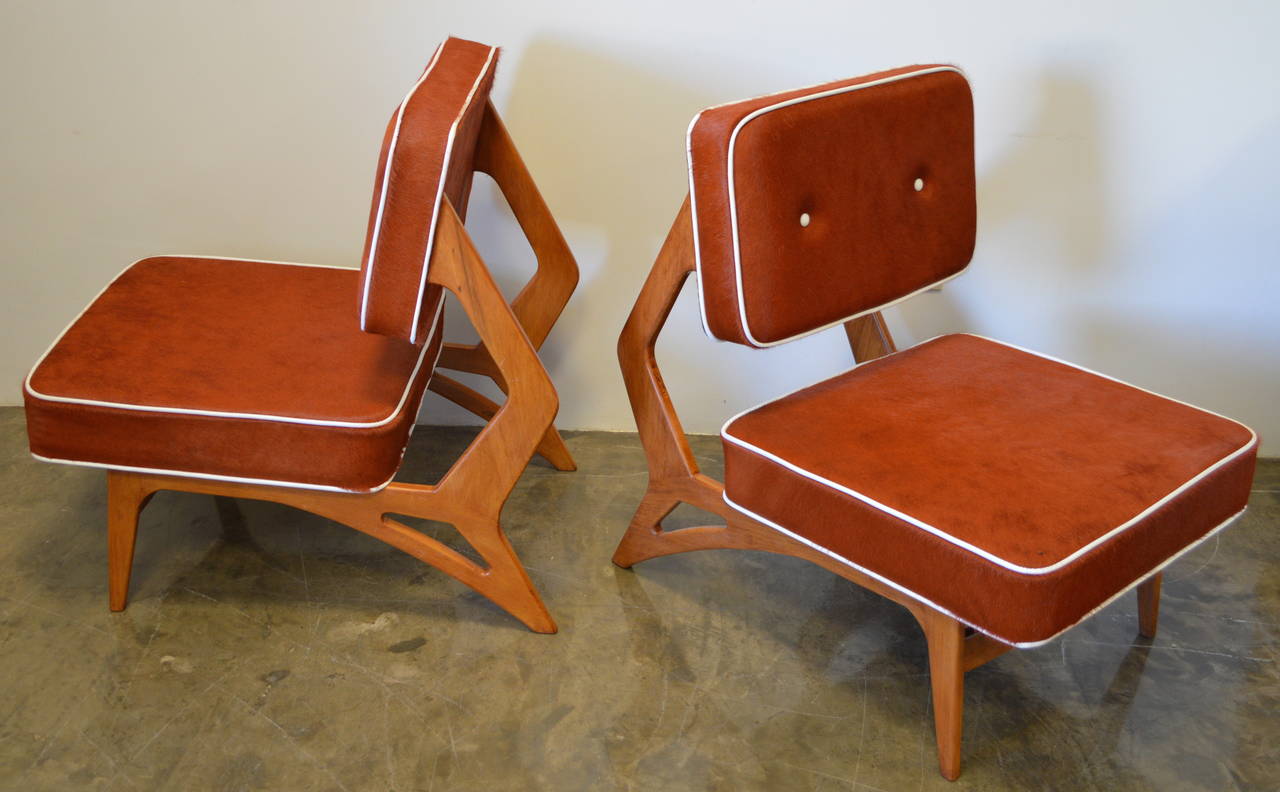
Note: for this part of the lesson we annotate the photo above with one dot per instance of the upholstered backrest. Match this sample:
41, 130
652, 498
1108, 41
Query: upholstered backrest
426, 155
815, 206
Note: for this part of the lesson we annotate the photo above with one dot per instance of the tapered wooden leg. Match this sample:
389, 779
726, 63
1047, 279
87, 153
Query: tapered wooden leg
946, 675
125, 498
504, 580
507, 582
642, 540
551, 447
1149, 605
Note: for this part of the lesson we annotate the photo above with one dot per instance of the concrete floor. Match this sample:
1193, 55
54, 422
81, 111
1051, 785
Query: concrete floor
266, 648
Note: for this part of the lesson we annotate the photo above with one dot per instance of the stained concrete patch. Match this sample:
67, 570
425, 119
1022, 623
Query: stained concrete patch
408, 646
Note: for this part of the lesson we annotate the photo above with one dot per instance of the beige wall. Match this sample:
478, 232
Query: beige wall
1127, 165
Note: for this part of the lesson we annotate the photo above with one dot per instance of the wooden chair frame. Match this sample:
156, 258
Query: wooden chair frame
471, 494
540, 301
674, 478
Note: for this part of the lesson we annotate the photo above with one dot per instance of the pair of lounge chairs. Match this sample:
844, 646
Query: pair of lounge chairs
999, 495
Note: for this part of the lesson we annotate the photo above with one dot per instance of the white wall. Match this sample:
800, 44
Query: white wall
1127, 166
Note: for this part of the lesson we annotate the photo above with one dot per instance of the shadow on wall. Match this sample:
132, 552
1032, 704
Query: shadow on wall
603, 140
1146, 307
1042, 212
1053, 177
1214, 248
608, 141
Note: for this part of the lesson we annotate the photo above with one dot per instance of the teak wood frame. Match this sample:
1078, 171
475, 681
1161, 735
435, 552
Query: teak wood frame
471, 494
674, 478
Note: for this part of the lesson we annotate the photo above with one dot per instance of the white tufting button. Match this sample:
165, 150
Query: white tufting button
919, 185
804, 220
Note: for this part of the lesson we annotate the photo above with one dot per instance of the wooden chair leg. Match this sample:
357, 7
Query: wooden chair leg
641, 541
945, 636
1149, 605
551, 447
126, 496
506, 581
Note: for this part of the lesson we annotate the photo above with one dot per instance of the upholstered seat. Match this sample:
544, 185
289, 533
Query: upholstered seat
1015, 492
243, 370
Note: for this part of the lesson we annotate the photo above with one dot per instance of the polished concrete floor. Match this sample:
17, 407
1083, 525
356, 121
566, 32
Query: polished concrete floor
265, 648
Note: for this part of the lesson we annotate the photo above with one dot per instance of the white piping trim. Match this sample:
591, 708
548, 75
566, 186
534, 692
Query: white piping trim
935, 606
435, 211
417, 408
217, 413
210, 476
724, 432
242, 480
733, 211
693, 215
246, 260
386, 178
